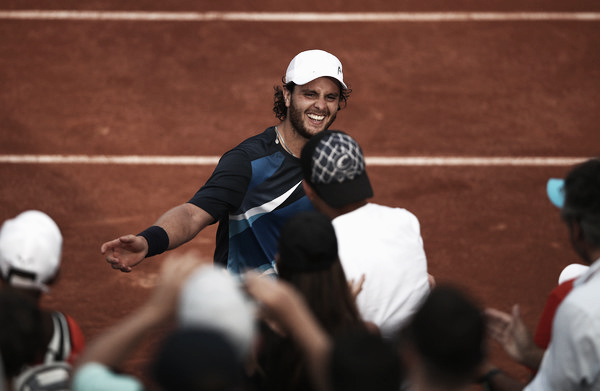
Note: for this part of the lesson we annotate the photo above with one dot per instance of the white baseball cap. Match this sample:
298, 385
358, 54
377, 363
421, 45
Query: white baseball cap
312, 64
30, 250
211, 298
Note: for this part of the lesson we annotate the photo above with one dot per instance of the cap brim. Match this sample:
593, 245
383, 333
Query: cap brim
554, 188
305, 80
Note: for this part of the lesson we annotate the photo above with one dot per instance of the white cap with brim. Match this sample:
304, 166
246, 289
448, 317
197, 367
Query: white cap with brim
30, 250
312, 64
554, 188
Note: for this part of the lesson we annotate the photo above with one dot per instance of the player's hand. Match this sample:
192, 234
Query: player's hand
125, 252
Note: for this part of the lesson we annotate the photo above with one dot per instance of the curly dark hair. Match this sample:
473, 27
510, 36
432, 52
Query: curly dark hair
280, 109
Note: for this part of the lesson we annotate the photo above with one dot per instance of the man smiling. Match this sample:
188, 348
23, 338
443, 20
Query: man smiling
256, 186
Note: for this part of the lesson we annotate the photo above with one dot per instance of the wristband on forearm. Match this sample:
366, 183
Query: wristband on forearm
157, 238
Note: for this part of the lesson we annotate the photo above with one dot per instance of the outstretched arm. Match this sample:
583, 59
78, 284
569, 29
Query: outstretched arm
177, 226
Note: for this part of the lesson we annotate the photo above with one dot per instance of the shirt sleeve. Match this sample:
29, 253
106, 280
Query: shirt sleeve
225, 189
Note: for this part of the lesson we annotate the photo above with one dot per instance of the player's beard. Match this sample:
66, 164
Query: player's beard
297, 120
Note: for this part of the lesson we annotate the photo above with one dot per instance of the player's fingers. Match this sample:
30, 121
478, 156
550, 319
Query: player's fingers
108, 246
127, 238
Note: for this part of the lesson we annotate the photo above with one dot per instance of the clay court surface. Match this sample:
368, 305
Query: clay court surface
506, 88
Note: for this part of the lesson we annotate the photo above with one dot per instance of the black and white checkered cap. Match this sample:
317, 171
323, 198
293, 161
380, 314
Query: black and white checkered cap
337, 158
333, 164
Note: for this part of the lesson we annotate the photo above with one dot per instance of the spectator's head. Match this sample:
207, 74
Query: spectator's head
212, 299
364, 361
30, 251
581, 208
308, 259
21, 332
445, 340
333, 167
197, 359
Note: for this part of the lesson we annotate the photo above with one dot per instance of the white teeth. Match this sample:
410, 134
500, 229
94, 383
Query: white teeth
316, 117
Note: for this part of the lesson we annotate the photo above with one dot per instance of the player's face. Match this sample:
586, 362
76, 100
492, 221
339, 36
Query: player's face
312, 107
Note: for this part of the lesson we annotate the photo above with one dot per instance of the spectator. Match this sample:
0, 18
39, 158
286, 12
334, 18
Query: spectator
572, 360
443, 345
255, 187
23, 342
543, 332
364, 361
194, 356
308, 260
350, 361
30, 258
382, 243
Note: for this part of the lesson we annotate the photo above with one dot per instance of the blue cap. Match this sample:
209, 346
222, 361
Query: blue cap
554, 188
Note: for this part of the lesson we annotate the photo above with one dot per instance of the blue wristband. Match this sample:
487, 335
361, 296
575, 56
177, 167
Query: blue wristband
157, 238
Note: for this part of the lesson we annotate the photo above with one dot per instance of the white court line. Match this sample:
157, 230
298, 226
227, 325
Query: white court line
300, 16
371, 161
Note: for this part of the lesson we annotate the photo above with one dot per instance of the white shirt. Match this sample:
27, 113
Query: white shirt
385, 244
572, 361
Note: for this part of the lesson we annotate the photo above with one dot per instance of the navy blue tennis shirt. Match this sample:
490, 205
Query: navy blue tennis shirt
254, 189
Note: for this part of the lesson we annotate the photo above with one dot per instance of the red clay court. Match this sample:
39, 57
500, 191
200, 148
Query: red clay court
96, 108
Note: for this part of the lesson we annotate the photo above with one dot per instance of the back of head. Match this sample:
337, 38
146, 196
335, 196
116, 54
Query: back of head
582, 199
307, 243
21, 332
308, 259
30, 250
448, 334
197, 359
334, 166
364, 361
212, 299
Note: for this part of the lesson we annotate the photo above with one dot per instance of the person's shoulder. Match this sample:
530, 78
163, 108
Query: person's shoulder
253, 147
390, 211
262, 139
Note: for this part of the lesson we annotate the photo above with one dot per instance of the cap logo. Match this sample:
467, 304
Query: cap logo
337, 158
339, 70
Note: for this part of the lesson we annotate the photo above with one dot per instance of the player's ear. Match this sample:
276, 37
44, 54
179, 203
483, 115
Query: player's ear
287, 96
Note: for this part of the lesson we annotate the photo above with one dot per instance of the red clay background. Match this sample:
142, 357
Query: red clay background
198, 88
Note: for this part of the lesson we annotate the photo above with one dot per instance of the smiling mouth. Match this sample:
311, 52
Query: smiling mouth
316, 117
